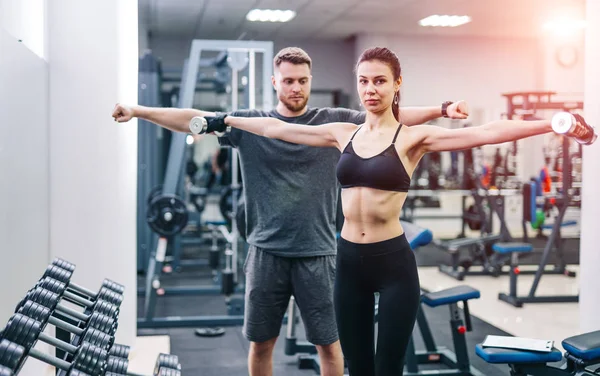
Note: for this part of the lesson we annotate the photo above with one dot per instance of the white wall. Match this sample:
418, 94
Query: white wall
24, 202
478, 70
332, 62
93, 61
25, 20
590, 236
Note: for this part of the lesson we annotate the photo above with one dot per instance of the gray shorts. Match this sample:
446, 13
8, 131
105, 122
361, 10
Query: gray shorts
271, 280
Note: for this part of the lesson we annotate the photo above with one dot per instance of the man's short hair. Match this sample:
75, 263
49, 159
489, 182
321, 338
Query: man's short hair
294, 55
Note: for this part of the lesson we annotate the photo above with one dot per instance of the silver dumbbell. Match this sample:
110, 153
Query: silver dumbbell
199, 125
566, 124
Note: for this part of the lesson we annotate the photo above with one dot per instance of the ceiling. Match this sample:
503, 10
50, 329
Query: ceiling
341, 19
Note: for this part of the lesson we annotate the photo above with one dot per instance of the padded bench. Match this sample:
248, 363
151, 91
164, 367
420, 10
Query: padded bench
512, 247
450, 296
447, 362
549, 226
511, 356
216, 223
584, 348
417, 236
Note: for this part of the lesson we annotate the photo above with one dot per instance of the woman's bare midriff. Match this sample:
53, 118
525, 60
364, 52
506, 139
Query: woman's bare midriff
371, 215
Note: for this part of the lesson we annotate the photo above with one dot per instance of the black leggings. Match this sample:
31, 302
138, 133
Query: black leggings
387, 267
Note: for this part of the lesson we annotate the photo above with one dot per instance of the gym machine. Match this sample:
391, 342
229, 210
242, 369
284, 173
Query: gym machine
167, 213
85, 340
152, 152
561, 202
478, 217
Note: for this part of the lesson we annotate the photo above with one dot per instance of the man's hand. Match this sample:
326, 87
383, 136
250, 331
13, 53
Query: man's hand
216, 123
458, 110
122, 113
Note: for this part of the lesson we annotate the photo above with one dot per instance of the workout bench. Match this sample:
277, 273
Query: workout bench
457, 361
514, 249
582, 352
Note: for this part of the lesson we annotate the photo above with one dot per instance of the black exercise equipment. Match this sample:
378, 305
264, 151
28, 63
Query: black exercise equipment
84, 341
57, 271
167, 214
562, 203
153, 145
106, 302
51, 300
166, 365
488, 204
88, 359
455, 362
582, 353
120, 351
95, 333
26, 331
172, 185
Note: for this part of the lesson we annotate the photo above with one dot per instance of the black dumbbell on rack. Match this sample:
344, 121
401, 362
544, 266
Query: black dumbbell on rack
107, 304
119, 351
166, 365
97, 337
51, 301
89, 360
63, 271
4, 371
26, 331
109, 290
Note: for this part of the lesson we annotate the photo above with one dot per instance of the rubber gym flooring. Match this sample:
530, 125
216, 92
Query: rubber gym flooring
227, 355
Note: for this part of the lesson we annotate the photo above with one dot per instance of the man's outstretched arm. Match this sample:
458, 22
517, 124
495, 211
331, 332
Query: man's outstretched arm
175, 119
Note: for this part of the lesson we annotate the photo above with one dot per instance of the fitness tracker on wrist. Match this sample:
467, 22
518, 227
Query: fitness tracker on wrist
445, 107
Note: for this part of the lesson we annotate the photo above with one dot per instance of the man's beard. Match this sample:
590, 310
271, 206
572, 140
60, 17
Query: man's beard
293, 105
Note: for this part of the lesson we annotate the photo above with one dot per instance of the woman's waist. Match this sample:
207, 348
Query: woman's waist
374, 247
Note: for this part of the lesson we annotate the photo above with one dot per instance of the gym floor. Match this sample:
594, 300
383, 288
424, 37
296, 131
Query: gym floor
226, 355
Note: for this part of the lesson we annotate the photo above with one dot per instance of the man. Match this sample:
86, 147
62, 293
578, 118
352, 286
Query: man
291, 200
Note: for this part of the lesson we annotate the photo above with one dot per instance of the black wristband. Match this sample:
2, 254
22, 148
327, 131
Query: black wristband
445, 108
216, 123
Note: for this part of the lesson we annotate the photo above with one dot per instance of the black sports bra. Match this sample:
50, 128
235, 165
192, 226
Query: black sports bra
383, 171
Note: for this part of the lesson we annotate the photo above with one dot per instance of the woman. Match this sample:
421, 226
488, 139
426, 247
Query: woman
375, 168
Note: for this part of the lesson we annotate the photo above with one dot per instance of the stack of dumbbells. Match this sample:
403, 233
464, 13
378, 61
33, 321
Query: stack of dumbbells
84, 339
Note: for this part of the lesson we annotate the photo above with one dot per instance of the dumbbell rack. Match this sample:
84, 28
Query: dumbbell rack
84, 341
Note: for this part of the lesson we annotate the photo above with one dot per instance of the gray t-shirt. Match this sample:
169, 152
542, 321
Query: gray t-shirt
291, 190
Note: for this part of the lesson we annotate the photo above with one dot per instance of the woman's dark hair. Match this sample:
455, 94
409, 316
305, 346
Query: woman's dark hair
388, 57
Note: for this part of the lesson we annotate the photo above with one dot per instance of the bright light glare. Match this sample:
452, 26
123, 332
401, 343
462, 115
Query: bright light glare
564, 26
444, 21
189, 139
270, 15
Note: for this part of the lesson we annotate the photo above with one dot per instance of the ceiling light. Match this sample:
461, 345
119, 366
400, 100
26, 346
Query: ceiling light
444, 21
270, 15
564, 26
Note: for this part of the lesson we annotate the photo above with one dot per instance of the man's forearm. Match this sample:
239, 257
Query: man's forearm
175, 119
419, 115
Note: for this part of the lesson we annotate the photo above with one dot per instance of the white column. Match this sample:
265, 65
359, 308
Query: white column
589, 303
93, 63
25, 20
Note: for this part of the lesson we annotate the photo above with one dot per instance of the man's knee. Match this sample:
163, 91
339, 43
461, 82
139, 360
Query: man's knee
333, 350
263, 349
